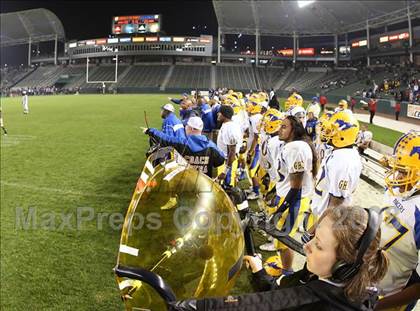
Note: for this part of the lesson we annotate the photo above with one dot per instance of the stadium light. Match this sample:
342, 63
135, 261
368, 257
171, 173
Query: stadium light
302, 4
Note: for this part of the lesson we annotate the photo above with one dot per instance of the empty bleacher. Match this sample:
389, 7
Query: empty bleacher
302, 80
236, 77
41, 77
11, 77
144, 76
269, 76
100, 73
187, 76
290, 79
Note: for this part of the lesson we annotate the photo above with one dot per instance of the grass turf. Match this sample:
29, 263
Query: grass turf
383, 135
70, 152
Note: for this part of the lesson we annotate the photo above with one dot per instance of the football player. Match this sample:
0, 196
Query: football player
2, 124
293, 100
323, 149
340, 171
229, 140
255, 117
296, 168
242, 119
401, 226
270, 146
299, 112
343, 106
25, 102
364, 140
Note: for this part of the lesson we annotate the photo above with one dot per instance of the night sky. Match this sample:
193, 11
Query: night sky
92, 19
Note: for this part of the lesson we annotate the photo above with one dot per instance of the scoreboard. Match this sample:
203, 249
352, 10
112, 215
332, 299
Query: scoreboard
133, 24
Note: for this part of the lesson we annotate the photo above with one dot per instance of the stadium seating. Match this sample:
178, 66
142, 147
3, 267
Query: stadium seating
41, 77
303, 80
187, 76
11, 77
288, 80
144, 76
269, 76
236, 77
100, 73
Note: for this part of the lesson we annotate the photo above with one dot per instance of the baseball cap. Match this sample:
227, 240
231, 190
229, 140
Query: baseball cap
169, 107
195, 123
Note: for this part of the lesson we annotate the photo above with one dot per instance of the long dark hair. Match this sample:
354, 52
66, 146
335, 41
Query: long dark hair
299, 133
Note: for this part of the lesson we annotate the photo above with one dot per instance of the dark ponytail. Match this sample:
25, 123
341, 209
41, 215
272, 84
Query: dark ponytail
299, 133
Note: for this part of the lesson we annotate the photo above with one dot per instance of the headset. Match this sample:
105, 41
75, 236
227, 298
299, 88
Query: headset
343, 271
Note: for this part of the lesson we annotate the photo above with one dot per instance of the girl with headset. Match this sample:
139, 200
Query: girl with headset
344, 263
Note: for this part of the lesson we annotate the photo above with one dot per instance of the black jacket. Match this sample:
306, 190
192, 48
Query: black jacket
300, 291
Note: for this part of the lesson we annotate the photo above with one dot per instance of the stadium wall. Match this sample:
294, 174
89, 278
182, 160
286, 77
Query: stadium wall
383, 105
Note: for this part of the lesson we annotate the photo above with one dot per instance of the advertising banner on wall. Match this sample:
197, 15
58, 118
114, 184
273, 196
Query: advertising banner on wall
413, 111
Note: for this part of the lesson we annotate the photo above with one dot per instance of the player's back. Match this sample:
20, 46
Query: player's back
339, 175
401, 241
295, 156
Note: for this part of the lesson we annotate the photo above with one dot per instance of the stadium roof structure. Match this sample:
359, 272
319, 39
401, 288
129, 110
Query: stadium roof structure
30, 26
313, 18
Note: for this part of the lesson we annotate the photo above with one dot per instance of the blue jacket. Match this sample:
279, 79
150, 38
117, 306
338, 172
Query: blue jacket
198, 150
185, 114
207, 117
173, 126
176, 101
215, 110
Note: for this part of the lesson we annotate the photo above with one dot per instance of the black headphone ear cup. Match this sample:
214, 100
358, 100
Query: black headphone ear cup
340, 270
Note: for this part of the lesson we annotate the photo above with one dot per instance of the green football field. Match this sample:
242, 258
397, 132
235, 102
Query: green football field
70, 152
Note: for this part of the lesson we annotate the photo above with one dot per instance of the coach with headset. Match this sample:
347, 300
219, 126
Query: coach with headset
343, 261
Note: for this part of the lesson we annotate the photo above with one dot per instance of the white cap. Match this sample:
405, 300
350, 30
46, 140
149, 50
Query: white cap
296, 110
195, 123
169, 107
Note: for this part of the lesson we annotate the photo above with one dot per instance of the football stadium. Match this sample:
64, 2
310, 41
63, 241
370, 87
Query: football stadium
210, 155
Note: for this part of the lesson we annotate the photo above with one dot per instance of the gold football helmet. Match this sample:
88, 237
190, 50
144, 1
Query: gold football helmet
405, 165
342, 104
293, 100
272, 121
253, 106
273, 266
234, 102
340, 129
